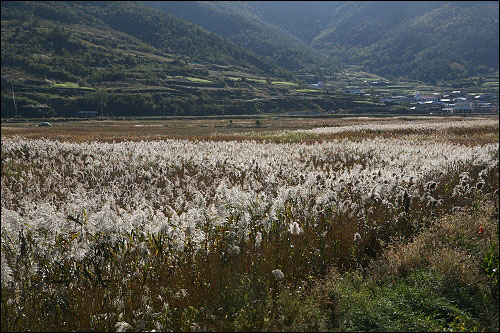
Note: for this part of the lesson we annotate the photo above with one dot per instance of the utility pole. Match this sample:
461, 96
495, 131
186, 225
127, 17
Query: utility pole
101, 95
14, 98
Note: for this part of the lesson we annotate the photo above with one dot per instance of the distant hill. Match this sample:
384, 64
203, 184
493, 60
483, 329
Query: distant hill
424, 40
428, 41
67, 56
247, 24
151, 29
303, 19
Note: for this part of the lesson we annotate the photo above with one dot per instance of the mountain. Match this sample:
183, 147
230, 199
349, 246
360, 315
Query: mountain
206, 58
68, 56
428, 41
164, 32
247, 24
425, 40
303, 19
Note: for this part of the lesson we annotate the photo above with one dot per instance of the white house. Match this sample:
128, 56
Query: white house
430, 98
425, 98
320, 84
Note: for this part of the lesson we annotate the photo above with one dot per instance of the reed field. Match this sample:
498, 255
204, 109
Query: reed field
253, 230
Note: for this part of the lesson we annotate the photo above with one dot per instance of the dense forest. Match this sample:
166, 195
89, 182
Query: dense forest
89, 55
151, 28
429, 41
239, 22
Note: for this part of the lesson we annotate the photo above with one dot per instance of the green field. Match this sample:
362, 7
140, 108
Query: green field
309, 90
285, 83
256, 80
491, 84
70, 85
194, 79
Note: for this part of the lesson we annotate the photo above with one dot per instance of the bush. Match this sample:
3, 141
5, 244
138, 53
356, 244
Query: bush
434, 283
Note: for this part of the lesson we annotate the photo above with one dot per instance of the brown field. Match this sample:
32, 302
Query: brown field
358, 229
136, 130
221, 129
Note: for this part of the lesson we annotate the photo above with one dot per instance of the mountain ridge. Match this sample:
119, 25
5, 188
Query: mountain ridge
83, 55
127, 59
385, 37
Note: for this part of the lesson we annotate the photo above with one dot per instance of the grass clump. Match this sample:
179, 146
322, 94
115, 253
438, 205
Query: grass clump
437, 282
422, 301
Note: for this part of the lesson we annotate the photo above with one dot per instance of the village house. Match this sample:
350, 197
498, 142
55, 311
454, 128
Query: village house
425, 98
418, 107
400, 99
484, 97
485, 107
463, 106
456, 93
459, 99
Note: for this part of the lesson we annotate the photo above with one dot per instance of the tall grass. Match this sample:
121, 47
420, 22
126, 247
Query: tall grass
195, 235
435, 282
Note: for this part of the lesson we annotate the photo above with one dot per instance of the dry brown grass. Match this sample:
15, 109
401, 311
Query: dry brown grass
119, 130
449, 254
450, 246
240, 129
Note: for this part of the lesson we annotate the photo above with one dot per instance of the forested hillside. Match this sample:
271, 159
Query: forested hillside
128, 59
69, 56
425, 40
247, 24
152, 29
428, 41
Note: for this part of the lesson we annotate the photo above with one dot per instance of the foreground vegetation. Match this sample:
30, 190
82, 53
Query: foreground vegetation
443, 280
337, 232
